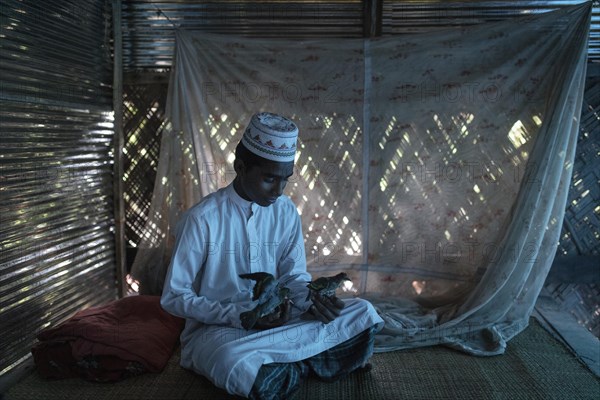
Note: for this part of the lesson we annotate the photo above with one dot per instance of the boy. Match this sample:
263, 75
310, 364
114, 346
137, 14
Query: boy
250, 227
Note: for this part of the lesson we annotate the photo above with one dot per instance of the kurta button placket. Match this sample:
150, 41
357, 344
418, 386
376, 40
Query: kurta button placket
253, 245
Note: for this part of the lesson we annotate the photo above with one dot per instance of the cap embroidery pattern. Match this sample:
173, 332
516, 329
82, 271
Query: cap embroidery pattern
271, 136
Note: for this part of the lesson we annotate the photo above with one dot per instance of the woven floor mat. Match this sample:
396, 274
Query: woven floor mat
535, 366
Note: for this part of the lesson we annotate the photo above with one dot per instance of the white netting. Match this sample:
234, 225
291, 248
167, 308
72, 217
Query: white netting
433, 168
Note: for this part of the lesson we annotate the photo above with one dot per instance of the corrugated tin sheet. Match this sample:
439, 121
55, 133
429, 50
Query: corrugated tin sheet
148, 25
402, 16
56, 135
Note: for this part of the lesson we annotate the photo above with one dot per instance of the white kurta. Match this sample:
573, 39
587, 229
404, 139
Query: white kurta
218, 239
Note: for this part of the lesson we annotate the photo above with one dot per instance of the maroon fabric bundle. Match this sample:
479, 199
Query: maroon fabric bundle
108, 343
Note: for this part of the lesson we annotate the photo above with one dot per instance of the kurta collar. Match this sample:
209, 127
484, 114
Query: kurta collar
244, 204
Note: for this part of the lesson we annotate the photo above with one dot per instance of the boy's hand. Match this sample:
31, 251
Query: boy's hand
324, 309
277, 318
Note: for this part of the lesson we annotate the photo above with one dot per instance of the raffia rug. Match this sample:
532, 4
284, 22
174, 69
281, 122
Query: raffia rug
535, 366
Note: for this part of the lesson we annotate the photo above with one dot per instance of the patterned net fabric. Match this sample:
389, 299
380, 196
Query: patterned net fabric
433, 168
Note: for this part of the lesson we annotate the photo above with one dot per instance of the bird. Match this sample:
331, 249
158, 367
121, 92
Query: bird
326, 286
265, 287
249, 318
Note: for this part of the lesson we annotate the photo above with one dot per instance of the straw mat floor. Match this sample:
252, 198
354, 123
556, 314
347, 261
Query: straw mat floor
535, 366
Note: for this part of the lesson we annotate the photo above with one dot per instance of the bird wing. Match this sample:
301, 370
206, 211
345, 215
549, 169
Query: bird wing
265, 284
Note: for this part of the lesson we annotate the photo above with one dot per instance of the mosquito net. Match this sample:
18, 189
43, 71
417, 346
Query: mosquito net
433, 168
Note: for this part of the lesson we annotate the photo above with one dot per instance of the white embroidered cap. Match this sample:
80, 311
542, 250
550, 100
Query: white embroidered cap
271, 136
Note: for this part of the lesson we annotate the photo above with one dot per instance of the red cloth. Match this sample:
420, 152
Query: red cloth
108, 343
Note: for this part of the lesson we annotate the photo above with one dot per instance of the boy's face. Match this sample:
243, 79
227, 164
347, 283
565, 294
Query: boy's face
263, 184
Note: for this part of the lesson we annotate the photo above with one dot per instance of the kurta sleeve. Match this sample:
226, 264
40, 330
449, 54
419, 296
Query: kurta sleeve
292, 265
179, 296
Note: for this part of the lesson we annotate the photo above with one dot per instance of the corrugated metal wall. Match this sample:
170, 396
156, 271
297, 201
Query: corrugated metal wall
148, 24
56, 135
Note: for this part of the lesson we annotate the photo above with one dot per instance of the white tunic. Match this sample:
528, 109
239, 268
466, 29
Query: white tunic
218, 239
